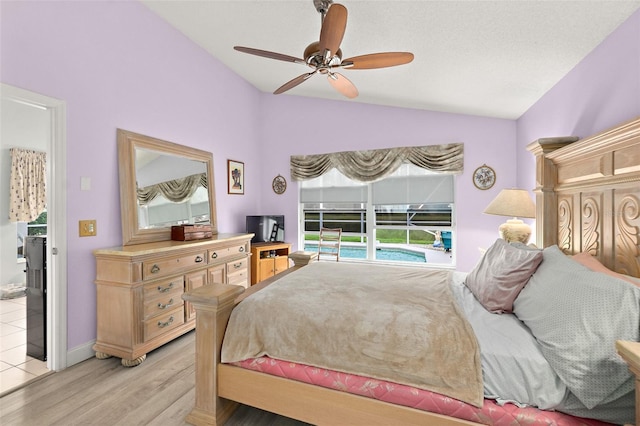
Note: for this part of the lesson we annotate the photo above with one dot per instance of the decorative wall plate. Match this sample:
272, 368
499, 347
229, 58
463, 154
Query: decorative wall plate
279, 184
484, 177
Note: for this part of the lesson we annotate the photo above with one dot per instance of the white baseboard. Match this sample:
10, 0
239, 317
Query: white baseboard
80, 353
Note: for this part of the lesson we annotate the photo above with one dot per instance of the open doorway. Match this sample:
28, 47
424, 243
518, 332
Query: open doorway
37, 122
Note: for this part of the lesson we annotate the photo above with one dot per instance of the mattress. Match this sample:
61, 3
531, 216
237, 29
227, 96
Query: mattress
490, 414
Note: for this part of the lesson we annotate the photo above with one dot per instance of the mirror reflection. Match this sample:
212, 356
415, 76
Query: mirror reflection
162, 184
170, 190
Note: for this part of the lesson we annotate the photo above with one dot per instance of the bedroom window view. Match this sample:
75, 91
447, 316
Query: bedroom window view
27, 229
404, 218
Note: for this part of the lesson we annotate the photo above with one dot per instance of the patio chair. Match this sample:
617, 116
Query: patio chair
329, 243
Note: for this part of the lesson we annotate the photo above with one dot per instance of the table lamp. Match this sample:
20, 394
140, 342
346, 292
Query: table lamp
514, 203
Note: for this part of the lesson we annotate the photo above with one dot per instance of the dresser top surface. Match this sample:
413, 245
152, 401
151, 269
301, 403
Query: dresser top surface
170, 245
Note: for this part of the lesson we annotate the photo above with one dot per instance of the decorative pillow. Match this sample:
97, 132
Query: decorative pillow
501, 274
594, 264
577, 315
524, 246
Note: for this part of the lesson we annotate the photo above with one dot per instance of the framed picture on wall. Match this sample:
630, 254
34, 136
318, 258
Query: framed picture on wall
235, 177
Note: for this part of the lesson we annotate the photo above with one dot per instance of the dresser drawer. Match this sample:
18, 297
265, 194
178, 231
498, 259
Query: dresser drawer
163, 323
223, 252
168, 266
237, 272
162, 304
163, 288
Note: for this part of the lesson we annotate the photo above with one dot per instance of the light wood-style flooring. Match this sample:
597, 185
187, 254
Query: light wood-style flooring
160, 392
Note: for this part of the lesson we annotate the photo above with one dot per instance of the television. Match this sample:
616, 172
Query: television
267, 228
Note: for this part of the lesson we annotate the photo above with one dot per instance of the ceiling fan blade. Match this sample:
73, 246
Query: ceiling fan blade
293, 83
377, 60
270, 55
333, 27
343, 85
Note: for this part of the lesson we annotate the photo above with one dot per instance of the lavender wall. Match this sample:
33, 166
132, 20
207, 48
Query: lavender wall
601, 92
119, 66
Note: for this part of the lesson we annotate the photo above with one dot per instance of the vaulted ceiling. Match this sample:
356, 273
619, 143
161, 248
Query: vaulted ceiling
488, 58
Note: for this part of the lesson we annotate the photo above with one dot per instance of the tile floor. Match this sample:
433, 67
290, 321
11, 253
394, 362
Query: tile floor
16, 367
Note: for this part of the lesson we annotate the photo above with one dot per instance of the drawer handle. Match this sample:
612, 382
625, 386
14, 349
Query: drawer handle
241, 249
166, 305
237, 265
199, 259
166, 323
214, 255
165, 289
154, 269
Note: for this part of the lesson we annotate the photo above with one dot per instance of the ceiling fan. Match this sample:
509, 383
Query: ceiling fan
325, 56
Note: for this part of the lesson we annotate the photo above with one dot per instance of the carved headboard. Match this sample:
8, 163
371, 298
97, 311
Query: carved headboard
588, 195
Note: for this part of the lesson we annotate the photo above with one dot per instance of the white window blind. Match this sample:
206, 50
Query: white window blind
407, 185
413, 190
333, 187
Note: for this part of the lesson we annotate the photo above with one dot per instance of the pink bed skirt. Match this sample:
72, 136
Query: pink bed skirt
490, 414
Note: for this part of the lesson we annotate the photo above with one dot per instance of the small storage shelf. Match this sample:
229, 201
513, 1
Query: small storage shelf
268, 259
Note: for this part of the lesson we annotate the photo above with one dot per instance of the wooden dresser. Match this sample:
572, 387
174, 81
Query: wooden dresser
140, 287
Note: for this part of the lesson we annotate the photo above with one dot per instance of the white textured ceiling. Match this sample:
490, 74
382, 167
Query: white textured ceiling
488, 58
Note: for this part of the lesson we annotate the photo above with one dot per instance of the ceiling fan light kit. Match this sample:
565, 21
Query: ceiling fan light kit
325, 56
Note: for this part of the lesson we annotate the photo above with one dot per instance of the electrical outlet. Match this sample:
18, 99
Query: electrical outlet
88, 228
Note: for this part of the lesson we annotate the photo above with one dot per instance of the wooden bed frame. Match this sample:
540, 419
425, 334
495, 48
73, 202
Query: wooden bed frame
588, 199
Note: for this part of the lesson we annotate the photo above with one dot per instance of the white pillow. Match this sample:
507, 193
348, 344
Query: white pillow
577, 315
513, 367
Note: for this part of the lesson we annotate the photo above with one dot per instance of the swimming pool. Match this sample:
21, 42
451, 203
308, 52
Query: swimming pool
386, 253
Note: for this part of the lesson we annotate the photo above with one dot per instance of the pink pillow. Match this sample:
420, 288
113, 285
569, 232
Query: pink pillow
501, 274
594, 264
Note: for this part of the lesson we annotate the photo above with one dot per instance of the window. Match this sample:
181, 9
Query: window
405, 217
24, 229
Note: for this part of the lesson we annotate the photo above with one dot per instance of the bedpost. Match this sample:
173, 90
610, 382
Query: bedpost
546, 200
213, 305
630, 352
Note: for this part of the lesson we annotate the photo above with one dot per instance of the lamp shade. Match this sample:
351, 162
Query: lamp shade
513, 203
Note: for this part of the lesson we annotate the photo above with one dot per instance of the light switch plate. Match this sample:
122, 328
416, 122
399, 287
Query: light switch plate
85, 183
88, 228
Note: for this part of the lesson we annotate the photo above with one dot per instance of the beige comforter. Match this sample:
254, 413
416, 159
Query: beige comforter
392, 323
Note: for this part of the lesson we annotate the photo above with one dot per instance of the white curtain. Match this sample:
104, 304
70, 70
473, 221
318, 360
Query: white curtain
28, 187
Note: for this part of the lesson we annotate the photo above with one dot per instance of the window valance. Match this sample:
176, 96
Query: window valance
176, 190
372, 165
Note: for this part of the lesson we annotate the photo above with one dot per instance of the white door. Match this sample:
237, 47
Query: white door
56, 226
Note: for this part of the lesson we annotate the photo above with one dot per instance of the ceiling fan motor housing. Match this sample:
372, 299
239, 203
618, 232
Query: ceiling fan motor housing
322, 6
314, 58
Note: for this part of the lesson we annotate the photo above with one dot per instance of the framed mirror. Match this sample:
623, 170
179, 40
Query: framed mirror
162, 184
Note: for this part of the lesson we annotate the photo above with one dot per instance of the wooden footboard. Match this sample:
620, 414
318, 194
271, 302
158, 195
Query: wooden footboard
213, 304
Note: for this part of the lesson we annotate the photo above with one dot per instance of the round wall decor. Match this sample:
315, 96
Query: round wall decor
484, 177
279, 184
